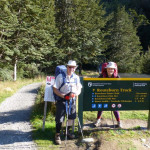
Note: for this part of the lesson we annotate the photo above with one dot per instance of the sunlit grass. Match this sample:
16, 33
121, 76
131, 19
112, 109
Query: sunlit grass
43, 138
90, 73
8, 88
142, 115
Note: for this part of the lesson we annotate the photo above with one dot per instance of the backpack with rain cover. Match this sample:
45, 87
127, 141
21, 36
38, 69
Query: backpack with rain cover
60, 70
49, 95
104, 71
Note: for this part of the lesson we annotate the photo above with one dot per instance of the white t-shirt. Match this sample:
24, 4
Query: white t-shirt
72, 84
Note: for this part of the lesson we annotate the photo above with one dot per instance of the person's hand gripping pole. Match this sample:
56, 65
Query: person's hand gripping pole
69, 96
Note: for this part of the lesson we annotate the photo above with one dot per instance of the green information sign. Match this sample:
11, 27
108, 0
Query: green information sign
116, 94
109, 94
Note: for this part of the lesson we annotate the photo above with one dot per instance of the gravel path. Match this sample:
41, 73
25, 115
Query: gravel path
15, 127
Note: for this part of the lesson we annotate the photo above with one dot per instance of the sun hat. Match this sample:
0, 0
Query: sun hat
72, 63
111, 65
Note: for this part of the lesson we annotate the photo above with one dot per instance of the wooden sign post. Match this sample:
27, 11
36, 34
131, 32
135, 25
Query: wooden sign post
48, 95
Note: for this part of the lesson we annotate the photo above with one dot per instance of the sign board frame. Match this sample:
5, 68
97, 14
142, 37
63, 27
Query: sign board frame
89, 101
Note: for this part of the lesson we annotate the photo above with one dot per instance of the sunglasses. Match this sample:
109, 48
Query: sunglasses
71, 66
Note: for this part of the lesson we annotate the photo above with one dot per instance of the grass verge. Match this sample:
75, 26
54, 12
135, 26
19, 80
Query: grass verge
43, 138
8, 88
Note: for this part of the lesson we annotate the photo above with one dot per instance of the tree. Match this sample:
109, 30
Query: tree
21, 46
123, 43
28, 34
146, 62
7, 27
45, 35
81, 27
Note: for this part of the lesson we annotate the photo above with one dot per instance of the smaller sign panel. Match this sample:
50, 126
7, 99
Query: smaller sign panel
48, 95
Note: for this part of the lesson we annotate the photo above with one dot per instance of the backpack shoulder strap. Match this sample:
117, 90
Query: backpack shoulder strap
100, 76
118, 76
64, 79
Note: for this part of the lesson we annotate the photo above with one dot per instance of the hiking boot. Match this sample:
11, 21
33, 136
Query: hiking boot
119, 125
70, 136
57, 138
97, 123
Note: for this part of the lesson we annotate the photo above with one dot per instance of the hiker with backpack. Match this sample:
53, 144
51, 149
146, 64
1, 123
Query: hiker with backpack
67, 87
109, 70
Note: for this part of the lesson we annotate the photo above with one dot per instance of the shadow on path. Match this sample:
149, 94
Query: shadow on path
14, 136
15, 116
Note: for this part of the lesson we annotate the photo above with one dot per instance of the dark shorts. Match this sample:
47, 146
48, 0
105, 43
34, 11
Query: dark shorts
61, 111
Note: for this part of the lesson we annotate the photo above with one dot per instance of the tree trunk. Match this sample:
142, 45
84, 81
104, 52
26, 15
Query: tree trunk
15, 70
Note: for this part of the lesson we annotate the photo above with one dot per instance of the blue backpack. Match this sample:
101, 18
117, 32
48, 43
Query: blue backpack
60, 70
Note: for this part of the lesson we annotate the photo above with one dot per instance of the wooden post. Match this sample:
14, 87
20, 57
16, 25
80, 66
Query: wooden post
148, 126
45, 109
80, 106
112, 119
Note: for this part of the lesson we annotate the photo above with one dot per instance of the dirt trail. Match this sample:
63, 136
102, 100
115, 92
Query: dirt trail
100, 142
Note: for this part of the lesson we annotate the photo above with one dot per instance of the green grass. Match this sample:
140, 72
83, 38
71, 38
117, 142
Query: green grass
90, 73
43, 138
142, 115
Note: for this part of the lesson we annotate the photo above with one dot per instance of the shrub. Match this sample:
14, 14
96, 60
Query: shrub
30, 70
6, 74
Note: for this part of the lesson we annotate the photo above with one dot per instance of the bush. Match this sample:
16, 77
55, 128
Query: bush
30, 71
146, 63
6, 74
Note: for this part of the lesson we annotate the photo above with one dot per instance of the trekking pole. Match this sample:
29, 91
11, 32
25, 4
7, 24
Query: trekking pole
67, 111
112, 119
73, 124
80, 128
85, 140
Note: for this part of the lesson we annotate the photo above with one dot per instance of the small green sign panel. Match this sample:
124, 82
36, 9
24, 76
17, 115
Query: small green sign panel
116, 94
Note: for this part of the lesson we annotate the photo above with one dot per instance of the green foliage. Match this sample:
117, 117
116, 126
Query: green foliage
39, 105
28, 33
146, 62
49, 33
123, 43
138, 20
8, 24
45, 137
81, 29
30, 70
139, 13
6, 74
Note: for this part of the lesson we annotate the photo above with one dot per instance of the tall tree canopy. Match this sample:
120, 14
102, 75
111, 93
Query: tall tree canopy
81, 25
35, 36
123, 43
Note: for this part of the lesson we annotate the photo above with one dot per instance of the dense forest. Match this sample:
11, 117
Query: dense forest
35, 36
